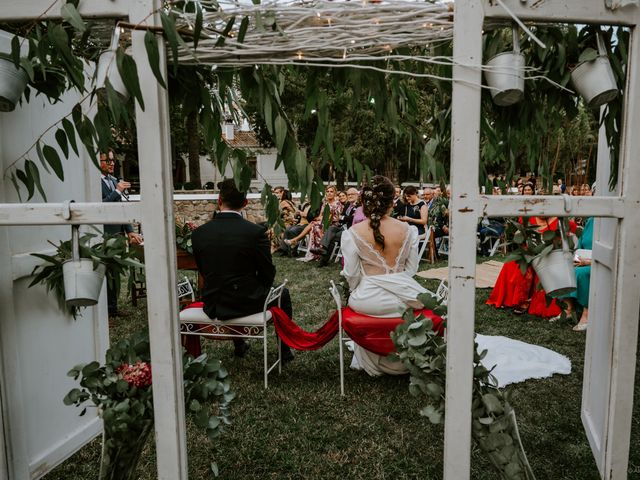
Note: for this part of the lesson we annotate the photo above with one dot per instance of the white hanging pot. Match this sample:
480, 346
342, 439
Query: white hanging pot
82, 284
594, 80
504, 75
107, 68
555, 270
13, 81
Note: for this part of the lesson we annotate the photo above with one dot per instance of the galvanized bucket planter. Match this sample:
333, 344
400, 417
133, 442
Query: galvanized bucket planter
82, 283
108, 69
505, 75
594, 80
13, 81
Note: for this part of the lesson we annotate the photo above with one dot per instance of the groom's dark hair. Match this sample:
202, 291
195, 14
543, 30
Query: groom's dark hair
230, 196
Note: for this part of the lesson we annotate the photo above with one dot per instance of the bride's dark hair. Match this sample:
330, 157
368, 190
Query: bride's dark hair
377, 198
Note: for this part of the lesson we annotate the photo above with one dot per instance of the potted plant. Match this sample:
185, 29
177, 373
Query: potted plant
494, 424
549, 253
504, 74
122, 391
75, 272
593, 76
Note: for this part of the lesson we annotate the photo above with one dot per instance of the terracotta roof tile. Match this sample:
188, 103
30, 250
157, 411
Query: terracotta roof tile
242, 139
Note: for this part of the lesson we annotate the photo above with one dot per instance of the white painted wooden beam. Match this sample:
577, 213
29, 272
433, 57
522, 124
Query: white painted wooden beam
21, 10
625, 326
549, 206
69, 214
154, 153
465, 161
566, 11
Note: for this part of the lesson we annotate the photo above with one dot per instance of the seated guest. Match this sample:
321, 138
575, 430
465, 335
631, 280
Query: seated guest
398, 202
521, 292
489, 228
415, 211
439, 214
342, 198
315, 228
233, 256
303, 217
287, 216
583, 281
333, 234
427, 196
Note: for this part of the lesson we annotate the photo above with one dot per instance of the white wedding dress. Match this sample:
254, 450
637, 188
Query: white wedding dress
380, 290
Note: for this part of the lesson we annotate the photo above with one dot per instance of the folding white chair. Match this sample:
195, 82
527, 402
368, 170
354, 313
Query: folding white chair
193, 321
303, 245
442, 293
443, 247
185, 289
425, 238
335, 293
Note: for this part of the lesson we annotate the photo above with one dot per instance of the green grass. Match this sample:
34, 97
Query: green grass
302, 428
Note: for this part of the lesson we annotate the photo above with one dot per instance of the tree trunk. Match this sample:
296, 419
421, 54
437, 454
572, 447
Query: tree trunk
193, 135
390, 169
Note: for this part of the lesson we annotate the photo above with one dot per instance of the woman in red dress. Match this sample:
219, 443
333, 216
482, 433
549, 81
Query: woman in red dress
522, 292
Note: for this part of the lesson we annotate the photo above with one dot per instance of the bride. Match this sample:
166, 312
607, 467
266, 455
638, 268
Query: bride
380, 259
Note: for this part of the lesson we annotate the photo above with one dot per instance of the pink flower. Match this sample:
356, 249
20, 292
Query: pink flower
138, 375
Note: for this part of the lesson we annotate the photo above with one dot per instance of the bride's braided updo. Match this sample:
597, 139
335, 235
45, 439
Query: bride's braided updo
377, 198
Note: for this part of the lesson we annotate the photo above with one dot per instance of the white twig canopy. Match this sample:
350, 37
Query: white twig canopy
321, 32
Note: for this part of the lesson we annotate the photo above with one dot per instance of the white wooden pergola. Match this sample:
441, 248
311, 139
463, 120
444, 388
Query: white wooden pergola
611, 348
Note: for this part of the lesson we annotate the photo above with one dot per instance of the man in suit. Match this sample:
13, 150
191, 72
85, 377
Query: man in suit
114, 191
234, 257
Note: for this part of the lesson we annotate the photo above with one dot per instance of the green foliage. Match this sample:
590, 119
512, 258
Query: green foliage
494, 426
126, 403
112, 252
530, 242
184, 230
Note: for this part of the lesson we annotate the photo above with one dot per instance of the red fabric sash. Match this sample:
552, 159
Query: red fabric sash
371, 333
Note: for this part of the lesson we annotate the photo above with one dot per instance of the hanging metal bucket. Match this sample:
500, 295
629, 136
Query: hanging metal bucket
13, 81
107, 68
594, 80
556, 272
505, 75
82, 283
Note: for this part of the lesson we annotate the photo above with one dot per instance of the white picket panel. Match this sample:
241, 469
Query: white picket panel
38, 343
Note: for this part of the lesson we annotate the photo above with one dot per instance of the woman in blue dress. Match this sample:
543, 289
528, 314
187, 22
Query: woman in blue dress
583, 279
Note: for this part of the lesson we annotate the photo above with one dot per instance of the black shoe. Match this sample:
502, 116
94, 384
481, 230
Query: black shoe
287, 356
323, 262
318, 251
241, 350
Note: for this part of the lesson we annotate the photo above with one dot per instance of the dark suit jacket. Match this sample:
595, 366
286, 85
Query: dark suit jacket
234, 257
347, 215
111, 195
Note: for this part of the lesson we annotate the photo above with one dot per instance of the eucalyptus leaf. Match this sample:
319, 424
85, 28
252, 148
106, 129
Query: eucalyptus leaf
71, 15
153, 54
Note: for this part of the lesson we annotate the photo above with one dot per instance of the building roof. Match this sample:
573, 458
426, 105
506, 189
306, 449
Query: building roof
242, 139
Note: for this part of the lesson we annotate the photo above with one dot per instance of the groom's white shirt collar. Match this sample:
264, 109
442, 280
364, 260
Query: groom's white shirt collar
237, 212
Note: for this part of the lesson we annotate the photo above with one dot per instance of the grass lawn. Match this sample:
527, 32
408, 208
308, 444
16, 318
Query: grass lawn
302, 428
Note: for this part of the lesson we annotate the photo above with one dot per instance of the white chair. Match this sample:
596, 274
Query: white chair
425, 238
303, 245
185, 289
193, 321
443, 247
336, 253
335, 293
442, 293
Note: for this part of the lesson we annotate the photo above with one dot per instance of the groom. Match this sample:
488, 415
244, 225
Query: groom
234, 257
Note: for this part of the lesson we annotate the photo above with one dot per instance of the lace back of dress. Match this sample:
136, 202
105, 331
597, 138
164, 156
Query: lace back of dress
373, 263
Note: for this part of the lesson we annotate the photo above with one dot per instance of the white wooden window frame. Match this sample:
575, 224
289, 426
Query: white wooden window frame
467, 205
155, 211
